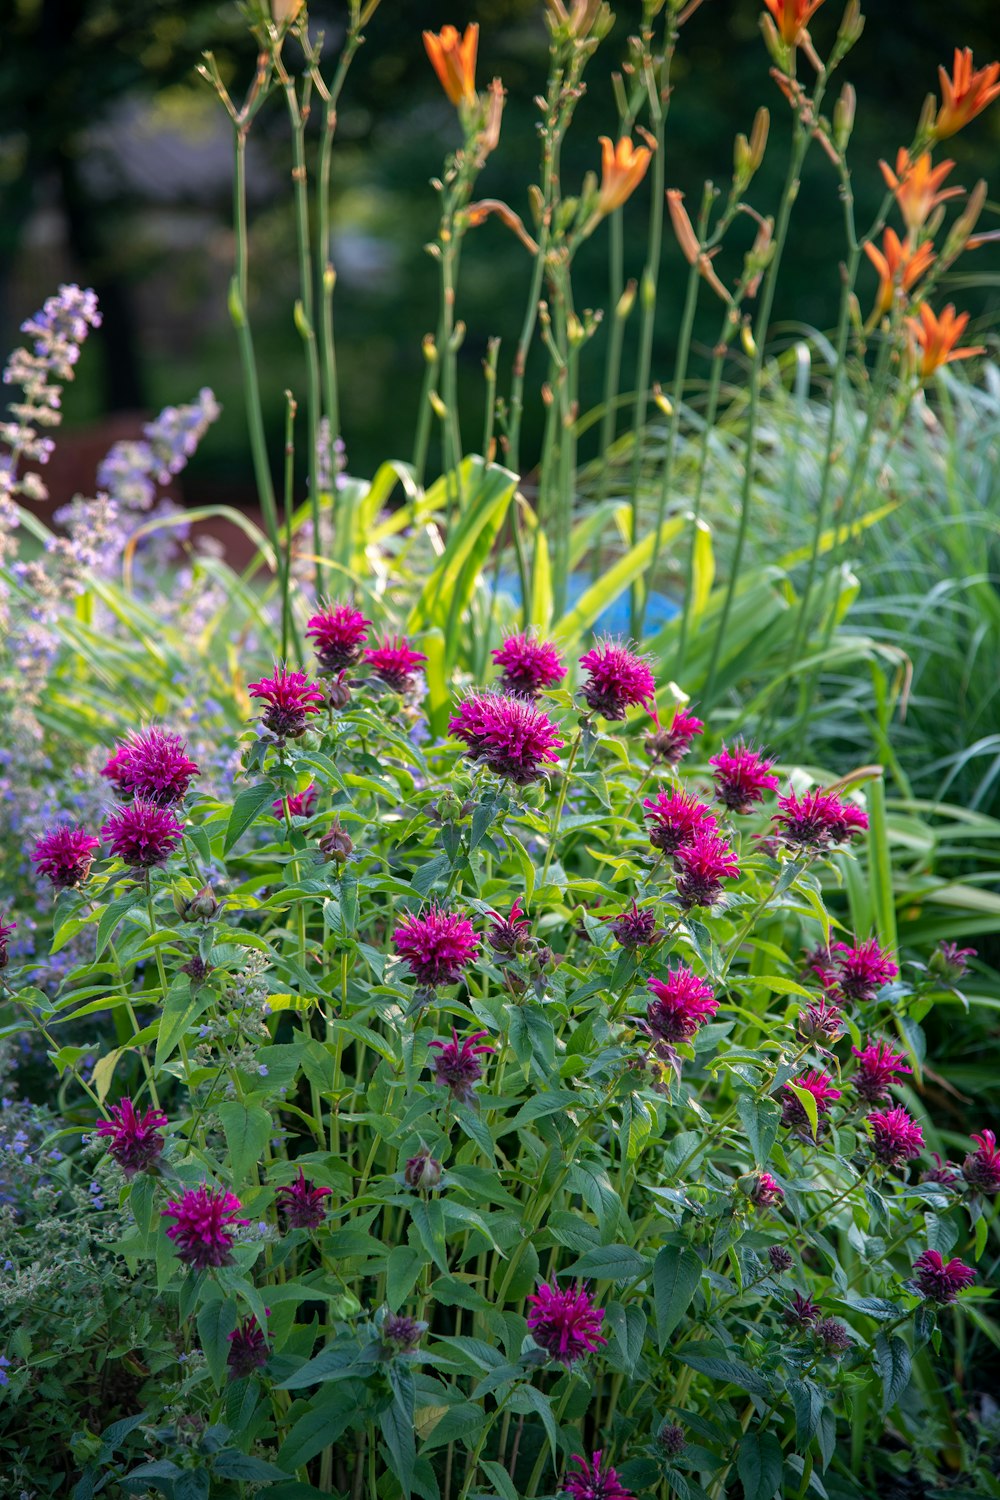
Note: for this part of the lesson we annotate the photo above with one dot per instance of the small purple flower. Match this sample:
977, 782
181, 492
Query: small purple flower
247, 1348
742, 777
594, 1482
301, 1203
436, 945
682, 1004
64, 855
981, 1168
400, 1335
801, 1312
564, 1321
142, 833
817, 820
339, 635
634, 929
675, 817
135, 1140
820, 1085
896, 1136
671, 745
394, 662
4, 1366
671, 1439
939, 1282
290, 698
702, 866
876, 1071
300, 804
766, 1192
862, 971
833, 1335
780, 1258
511, 934
457, 1066
617, 679
154, 765
951, 962
422, 1171
6, 928
206, 1223
529, 665
509, 735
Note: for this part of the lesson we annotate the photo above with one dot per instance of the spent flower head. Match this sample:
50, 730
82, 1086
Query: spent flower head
457, 1067
511, 934
633, 928
939, 1282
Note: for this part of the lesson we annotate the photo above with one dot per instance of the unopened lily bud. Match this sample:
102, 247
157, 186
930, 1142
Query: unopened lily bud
963, 226
843, 117
662, 402
851, 25
760, 255
489, 137
336, 844
429, 348
683, 228
626, 301
536, 203
928, 117
758, 137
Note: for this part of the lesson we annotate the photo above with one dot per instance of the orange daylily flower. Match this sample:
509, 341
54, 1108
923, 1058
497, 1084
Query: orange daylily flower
917, 186
899, 264
936, 338
453, 59
791, 17
622, 169
965, 94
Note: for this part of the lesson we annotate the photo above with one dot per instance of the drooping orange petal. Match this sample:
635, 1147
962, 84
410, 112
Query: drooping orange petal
453, 59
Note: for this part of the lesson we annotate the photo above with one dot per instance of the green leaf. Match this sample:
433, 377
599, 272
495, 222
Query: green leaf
614, 581
731, 1371
113, 914
181, 1010
526, 1398
316, 1429
676, 1274
892, 1360
501, 1480
610, 1263
808, 1101
248, 1130
760, 1119
233, 1465
245, 809
216, 1321
807, 1399
396, 1422
103, 1072
428, 1220
759, 1464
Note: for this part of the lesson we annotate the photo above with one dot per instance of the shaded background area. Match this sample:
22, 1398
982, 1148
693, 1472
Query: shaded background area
115, 171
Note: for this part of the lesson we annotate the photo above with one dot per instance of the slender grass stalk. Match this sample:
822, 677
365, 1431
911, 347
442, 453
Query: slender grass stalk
291, 408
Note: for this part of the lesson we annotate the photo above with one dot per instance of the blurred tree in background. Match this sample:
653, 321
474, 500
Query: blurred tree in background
115, 171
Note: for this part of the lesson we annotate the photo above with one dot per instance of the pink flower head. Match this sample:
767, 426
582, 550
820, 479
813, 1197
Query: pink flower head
862, 971
207, 1219
247, 1348
674, 819
817, 963
594, 1482
821, 1021
616, 680
290, 698
672, 744
135, 1140
939, 1282
742, 777
507, 734
154, 765
801, 1311
950, 961
702, 866
65, 856
820, 1085
457, 1066
510, 934
564, 1321
301, 1203
896, 1136
142, 833
300, 804
833, 1335
943, 1172
817, 820
876, 1071
529, 665
634, 929
394, 663
766, 1192
6, 928
401, 1334
981, 1168
682, 1005
339, 635
436, 945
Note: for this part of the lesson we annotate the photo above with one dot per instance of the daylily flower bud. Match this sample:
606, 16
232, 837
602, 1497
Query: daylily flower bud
843, 117
285, 11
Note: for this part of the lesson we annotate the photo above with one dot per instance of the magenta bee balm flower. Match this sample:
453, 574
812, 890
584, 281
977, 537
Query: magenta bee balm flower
939, 1282
821, 1021
142, 833
301, 1203
861, 972
153, 765
672, 744
457, 1066
6, 928
510, 934
564, 1322
247, 1348
394, 662
675, 817
766, 1192
702, 866
817, 820
801, 1311
617, 679
507, 734
436, 945
950, 961
593, 1482
820, 1085
300, 804
876, 1071
896, 1136
634, 929
289, 698
135, 1142
681, 1005
742, 777
981, 1168
339, 635
529, 665
206, 1224
64, 855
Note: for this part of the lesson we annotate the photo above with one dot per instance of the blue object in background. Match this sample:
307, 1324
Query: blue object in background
615, 619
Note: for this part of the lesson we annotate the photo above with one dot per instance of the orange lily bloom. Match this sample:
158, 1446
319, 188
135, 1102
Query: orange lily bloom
965, 94
899, 264
622, 169
453, 59
936, 338
917, 186
791, 17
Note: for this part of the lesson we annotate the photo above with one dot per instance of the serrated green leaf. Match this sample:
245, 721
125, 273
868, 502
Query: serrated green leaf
247, 806
676, 1274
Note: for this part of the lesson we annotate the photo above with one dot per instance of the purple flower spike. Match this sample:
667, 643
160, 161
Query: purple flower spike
339, 635
742, 777
457, 1066
394, 663
153, 765
529, 665
876, 1071
896, 1136
301, 1203
981, 1168
143, 834
939, 1282
507, 734
702, 866
247, 1348
564, 1322
289, 698
594, 1482
675, 818
617, 679
436, 945
206, 1223
135, 1140
64, 855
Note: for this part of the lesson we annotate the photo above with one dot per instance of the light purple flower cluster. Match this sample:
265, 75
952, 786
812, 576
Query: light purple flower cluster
131, 471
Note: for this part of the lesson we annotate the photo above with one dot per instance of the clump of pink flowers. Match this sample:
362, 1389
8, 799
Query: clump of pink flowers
876, 1071
301, 1203
511, 934
896, 1136
394, 662
299, 804
793, 1112
154, 765
457, 1067
339, 635
528, 665
981, 1168
134, 1140
817, 820
594, 1480
674, 818
206, 1220
564, 1322
436, 945
939, 1282
247, 1348
742, 777
289, 700
862, 971
617, 679
702, 866
142, 833
673, 743
681, 1005
64, 856
633, 928
507, 734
